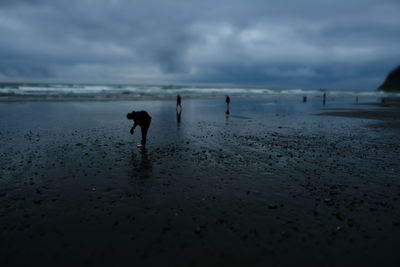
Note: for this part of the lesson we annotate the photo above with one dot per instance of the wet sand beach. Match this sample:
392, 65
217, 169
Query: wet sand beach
272, 185
388, 113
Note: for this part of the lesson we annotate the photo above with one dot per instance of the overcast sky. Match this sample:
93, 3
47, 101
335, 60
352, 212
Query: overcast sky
342, 44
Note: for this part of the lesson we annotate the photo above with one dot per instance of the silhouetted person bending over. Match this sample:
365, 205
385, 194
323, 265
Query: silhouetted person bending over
227, 100
143, 119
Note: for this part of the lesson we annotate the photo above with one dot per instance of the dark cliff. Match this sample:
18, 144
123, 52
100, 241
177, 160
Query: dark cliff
392, 81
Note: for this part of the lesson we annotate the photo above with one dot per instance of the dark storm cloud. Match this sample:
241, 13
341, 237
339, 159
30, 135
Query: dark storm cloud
313, 43
7, 3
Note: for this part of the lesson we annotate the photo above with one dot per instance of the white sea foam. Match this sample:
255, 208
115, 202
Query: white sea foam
123, 91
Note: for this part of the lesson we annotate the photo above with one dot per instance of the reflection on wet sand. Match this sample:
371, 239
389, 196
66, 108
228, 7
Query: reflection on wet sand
142, 164
178, 115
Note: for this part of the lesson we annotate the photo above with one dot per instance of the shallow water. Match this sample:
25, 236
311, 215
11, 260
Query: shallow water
272, 110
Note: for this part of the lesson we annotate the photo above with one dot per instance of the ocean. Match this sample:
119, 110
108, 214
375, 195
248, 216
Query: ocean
47, 91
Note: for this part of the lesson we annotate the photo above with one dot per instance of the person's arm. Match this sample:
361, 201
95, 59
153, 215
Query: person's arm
133, 127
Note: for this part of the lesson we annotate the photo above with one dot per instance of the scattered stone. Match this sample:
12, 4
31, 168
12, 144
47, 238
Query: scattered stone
328, 201
197, 231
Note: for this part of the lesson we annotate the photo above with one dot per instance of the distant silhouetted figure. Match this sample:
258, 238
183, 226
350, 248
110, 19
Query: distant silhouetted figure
178, 109
304, 99
227, 100
324, 99
357, 99
143, 119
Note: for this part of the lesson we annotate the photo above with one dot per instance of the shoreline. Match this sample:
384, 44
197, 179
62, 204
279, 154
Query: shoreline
111, 98
388, 112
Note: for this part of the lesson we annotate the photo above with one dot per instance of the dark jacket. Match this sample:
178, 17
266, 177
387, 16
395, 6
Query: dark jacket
141, 118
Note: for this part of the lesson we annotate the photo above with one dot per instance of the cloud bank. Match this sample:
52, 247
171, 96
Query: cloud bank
349, 44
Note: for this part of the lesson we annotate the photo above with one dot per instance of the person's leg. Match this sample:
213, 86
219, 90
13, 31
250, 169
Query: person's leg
144, 128
144, 135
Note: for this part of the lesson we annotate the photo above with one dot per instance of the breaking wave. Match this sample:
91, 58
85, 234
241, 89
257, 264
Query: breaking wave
61, 91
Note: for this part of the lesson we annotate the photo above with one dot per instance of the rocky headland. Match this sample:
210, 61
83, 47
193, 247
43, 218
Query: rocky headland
392, 81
